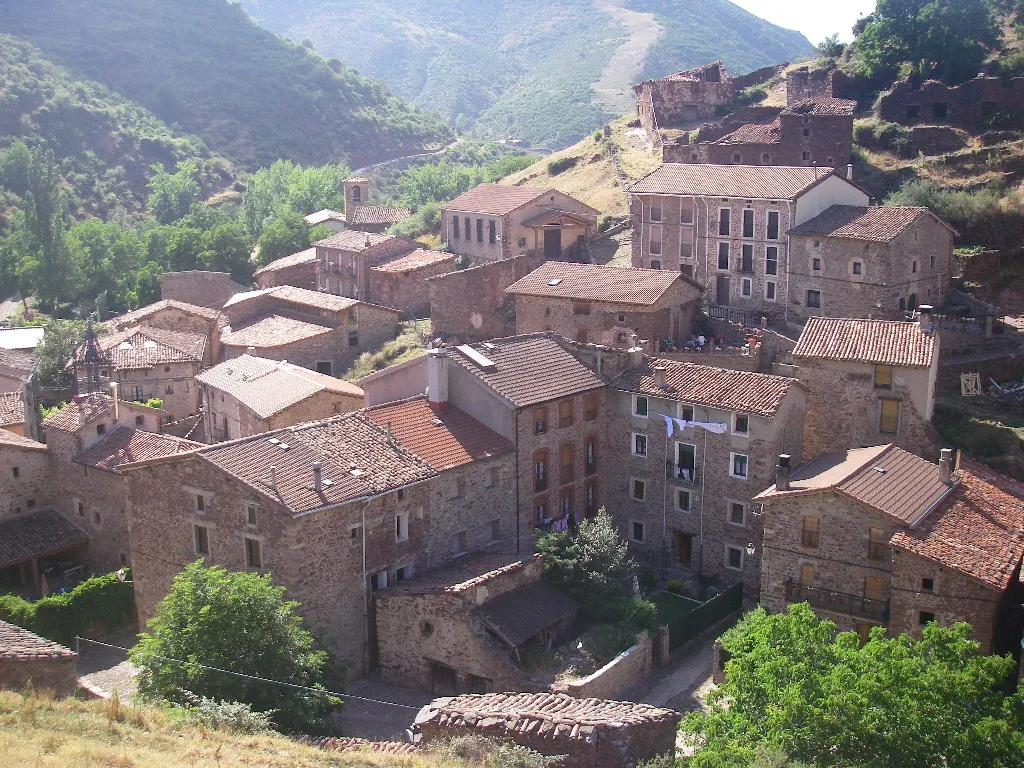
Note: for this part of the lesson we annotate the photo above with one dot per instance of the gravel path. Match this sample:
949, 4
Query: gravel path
379, 722
104, 670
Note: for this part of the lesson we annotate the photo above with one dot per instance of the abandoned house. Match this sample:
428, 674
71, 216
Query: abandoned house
298, 269
684, 98
984, 102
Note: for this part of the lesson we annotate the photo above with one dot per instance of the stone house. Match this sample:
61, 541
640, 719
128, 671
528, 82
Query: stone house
727, 226
590, 733
17, 374
16, 368
344, 260
681, 492
37, 546
856, 261
869, 382
12, 412
172, 315
684, 98
25, 480
606, 305
298, 269
458, 629
492, 222
985, 101
28, 659
201, 287
878, 536
315, 330
402, 282
248, 395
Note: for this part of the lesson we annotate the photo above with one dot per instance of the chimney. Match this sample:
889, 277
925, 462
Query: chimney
849, 171
925, 316
273, 477
946, 465
783, 472
116, 388
636, 356
660, 372
318, 476
437, 380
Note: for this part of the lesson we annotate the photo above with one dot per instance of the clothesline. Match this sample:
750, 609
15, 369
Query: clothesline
711, 426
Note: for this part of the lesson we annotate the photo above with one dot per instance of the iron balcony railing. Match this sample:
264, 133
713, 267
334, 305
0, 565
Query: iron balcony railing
837, 602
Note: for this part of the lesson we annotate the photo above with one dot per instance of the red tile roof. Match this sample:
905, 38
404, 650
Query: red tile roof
978, 531
12, 409
76, 414
753, 133
21, 645
17, 360
876, 223
126, 445
880, 342
13, 440
756, 182
759, 394
307, 256
272, 331
591, 282
444, 440
293, 295
133, 317
353, 240
361, 215
418, 259
141, 347
25, 536
494, 199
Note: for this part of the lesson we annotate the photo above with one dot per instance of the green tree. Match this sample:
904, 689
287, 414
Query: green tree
289, 234
15, 162
171, 195
285, 186
106, 256
60, 339
793, 685
437, 182
227, 248
831, 48
240, 622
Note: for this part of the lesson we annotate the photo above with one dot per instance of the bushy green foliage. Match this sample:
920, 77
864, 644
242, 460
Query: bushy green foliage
795, 686
285, 186
675, 586
60, 339
97, 601
171, 195
236, 621
154, 402
230, 716
965, 210
495, 753
878, 134
831, 48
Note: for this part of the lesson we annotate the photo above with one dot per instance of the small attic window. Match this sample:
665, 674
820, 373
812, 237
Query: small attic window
555, 281
880, 470
125, 345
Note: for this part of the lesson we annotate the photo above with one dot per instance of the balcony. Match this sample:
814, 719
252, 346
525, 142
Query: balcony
837, 602
680, 474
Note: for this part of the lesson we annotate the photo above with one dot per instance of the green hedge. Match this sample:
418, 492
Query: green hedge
100, 599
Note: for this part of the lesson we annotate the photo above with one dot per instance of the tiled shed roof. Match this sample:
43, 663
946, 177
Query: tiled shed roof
760, 182
881, 342
876, 223
142, 347
361, 215
13, 440
126, 445
494, 199
272, 331
20, 644
12, 409
522, 613
529, 369
307, 256
591, 282
76, 414
353, 240
754, 133
418, 259
461, 575
760, 394
35, 534
133, 317
293, 295
17, 360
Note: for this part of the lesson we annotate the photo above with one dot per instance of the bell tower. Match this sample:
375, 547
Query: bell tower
90, 362
357, 192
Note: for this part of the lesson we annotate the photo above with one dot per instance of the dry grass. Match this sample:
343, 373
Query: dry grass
407, 346
37, 731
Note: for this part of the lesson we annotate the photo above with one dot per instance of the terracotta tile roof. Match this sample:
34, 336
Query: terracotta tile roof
20, 644
77, 414
759, 394
319, 217
267, 387
522, 613
978, 531
126, 445
757, 182
142, 347
881, 342
353, 240
17, 361
10, 439
133, 317
877, 223
591, 282
461, 575
754, 133
362, 215
572, 718
307, 256
494, 199
12, 409
292, 295
443, 440
272, 331
356, 180
35, 534
357, 457
352, 744
553, 214
528, 369
824, 108
418, 259
884, 478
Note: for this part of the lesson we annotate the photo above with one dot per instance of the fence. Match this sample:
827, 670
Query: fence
689, 626
731, 315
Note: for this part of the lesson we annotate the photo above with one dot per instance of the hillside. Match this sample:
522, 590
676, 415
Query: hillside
205, 68
543, 71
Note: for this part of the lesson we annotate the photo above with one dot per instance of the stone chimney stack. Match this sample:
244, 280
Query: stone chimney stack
946, 465
318, 476
783, 472
116, 389
660, 371
636, 356
273, 477
437, 380
849, 171
925, 316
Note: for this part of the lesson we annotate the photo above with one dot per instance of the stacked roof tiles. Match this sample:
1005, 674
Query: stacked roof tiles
143, 347
126, 445
880, 342
417, 259
591, 282
133, 317
20, 644
33, 534
12, 409
876, 223
494, 199
307, 256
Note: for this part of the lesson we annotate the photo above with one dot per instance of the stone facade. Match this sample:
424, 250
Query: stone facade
982, 102
174, 383
228, 418
298, 269
407, 290
25, 480
205, 289
806, 84
344, 261
617, 676
684, 98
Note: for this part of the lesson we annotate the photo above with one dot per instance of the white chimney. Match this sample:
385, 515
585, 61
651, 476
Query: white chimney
273, 477
946, 465
116, 388
318, 476
783, 472
849, 171
660, 372
925, 316
437, 380
636, 356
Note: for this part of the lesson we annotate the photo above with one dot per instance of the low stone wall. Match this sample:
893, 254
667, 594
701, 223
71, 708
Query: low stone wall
617, 675
53, 673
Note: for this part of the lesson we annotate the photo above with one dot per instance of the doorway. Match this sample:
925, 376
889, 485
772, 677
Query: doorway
682, 547
722, 291
552, 243
443, 680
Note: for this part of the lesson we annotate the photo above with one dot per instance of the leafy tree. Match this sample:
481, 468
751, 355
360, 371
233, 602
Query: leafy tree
14, 167
437, 183
285, 186
240, 622
106, 257
289, 234
831, 48
227, 248
60, 339
172, 194
794, 685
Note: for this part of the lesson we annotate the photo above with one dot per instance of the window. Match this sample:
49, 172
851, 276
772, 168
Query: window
737, 157
682, 500
814, 299
565, 415
379, 580
773, 226
746, 287
640, 406
686, 412
741, 424
495, 478
874, 588
400, 494
455, 229
566, 462
771, 260
469, 231
202, 536
590, 463
734, 558
686, 462
654, 242
565, 504
737, 513
738, 465
636, 531
540, 470
169, 389
402, 526
253, 555
101, 429
655, 264
858, 268
723, 221
459, 542
883, 376
809, 534
723, 255
326, 367
769, 290
638, 489
495, 528
925, 617
913, 266
200, 503
458, 488
589, 406
540, 506
816, 264
356, 194
591, 499
876, 544
250, 514
806, 575
492, 232
355, 534
806, 156
479, 230
927, 585
748, 222
807, 131
15, 471
402, 573
889, 417
655, 211
639, 444
522, 242
686, 211
540, 421
747, 258
353, 338
933, 260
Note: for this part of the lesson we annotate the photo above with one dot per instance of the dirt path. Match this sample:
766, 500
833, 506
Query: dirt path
613, 90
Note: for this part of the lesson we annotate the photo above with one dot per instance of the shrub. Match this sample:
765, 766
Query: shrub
675, 587
231, 716
598, 136
878, 134
561, 165
606, 641
648, 579
494, 753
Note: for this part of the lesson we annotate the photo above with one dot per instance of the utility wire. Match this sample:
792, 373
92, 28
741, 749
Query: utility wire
318, 691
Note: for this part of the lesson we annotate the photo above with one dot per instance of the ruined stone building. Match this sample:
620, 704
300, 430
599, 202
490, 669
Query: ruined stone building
683, 98
315, 330
493, 222
856, 261
984, 102
869, 382
207, 289
606, 305
401, 282
727, 226
880, 537
681, 492
298, 269
248, 395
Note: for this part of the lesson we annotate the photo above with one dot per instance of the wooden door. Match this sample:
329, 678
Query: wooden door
722, 291
683, 544
552, 243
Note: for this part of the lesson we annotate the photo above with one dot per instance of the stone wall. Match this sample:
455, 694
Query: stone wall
407, 291
45, 673
174, 383
226, 418
618, 675
759, 76
25, 479
472, 304
205, 289
673, 101
805, 84
300, 275
973, 104
93, 499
